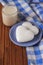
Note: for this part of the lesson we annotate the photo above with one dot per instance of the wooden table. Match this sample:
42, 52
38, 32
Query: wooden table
10, 54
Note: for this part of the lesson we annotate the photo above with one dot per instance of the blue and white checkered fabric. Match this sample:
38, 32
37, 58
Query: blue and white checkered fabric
37, 1
38, 9
24, 8
28, 1
34, 53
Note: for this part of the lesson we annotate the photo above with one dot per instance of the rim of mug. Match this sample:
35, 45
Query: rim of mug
12, 13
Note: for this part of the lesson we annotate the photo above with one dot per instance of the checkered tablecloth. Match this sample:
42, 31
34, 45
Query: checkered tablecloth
31, 10
37, 1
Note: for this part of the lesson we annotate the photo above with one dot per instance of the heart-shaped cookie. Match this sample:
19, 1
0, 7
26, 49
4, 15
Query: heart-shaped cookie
31, 27
35, 30
23, 35
28, 25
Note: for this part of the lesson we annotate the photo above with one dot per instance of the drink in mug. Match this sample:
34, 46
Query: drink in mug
9, 15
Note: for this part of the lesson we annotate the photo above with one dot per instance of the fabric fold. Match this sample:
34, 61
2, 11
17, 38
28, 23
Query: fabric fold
38, 10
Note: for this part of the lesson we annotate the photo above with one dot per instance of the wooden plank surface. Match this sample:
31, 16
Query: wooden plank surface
1, 39
10, 54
